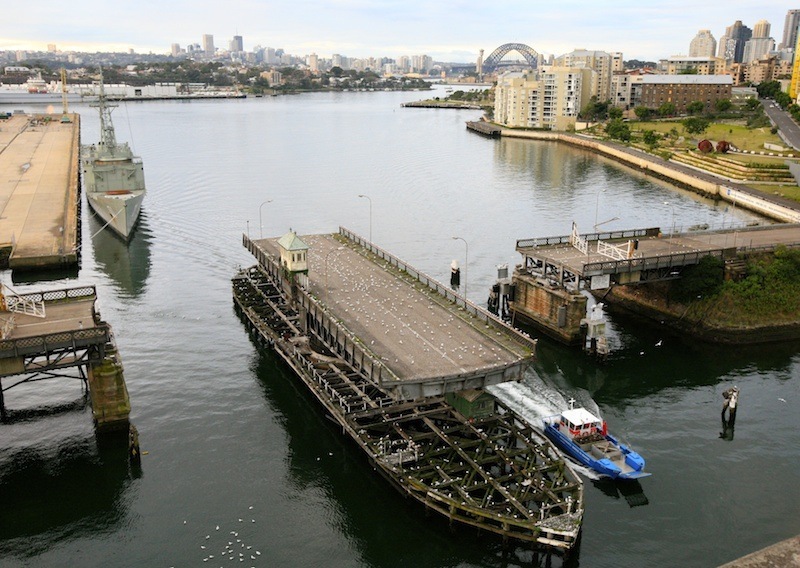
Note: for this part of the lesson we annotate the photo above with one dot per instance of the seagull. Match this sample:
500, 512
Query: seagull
782, 399
658, 344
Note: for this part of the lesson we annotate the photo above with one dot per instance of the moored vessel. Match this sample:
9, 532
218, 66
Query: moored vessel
584, 437
112, 176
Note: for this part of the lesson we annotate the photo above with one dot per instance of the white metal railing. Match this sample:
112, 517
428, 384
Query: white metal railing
614, 251
580, 243
28, 305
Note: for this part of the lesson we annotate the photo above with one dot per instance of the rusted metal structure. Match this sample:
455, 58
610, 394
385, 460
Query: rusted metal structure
492, 470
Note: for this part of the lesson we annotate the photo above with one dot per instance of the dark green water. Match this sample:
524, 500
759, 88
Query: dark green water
230, 435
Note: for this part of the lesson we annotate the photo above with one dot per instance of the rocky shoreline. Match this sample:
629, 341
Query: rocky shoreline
655, 310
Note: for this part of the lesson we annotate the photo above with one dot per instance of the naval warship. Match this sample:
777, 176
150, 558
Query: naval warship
112, 176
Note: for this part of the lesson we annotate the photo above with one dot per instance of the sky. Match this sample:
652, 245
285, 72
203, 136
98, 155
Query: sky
447, 30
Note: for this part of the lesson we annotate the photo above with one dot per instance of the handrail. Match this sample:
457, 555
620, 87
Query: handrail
40, 343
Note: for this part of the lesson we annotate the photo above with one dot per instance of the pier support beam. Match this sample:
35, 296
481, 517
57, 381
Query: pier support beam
553, 309
110, 403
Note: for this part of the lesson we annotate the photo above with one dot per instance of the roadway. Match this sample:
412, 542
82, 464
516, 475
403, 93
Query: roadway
787, 127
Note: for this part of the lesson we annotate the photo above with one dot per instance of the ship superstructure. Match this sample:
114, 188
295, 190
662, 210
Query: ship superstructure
112, 176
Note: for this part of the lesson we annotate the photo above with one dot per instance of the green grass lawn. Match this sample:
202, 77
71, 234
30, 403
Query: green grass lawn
739, 135
787, 191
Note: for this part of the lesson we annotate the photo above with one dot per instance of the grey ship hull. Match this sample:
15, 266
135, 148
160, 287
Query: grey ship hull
114, 187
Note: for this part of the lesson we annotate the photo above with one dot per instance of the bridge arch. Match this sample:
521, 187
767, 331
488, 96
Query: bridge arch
491, 62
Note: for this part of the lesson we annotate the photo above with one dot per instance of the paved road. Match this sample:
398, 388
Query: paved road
788, 128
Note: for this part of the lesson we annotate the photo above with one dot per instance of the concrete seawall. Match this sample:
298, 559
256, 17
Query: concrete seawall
704, 183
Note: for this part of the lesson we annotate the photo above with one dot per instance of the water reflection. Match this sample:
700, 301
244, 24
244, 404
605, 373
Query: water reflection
127, 264
47, 494
631, 490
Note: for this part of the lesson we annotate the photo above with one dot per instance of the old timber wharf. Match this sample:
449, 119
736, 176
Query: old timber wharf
399, 361
39, 191
59, 334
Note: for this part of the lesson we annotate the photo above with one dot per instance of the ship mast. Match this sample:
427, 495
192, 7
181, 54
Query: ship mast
108, 138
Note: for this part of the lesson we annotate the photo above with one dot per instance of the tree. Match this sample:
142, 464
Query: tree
695, 124
723, 105
614, 112
701, 280
594, 110
643, 113
783, 99
752, 103
695, 107
618, 130
651, 138
768, 89
667, 109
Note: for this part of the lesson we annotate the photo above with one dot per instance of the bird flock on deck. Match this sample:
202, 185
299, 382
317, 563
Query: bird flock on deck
384, 311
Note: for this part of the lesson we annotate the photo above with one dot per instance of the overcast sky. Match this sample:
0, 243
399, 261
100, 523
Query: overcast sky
447, 30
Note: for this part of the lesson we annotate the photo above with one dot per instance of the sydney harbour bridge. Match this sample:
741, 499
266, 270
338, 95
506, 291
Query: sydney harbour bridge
493, 61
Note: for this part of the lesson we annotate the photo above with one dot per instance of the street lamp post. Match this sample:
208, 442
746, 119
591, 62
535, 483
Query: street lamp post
260, 226
248, 228
466, 262
672, 230
370, 214
597, 207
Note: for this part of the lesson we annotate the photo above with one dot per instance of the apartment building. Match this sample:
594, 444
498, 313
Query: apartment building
549, 98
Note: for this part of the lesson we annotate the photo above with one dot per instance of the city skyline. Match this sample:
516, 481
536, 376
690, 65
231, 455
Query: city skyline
447, 31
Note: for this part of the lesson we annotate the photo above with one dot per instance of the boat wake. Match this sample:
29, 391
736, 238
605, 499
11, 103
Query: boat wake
535, 398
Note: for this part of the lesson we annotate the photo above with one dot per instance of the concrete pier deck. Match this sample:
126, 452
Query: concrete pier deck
654, 248
406, 324
39, 191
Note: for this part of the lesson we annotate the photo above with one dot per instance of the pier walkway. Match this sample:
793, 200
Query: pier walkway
647, 253
422, 338
39, 191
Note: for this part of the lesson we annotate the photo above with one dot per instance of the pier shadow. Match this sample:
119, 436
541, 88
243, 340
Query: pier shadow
49, 275
631, 490
77, 491
127, 264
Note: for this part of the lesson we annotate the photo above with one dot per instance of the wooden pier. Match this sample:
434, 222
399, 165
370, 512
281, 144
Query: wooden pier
59, 334
39, 191
399, 361
554, 270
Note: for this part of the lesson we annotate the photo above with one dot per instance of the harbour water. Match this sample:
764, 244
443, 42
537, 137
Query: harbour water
231, 439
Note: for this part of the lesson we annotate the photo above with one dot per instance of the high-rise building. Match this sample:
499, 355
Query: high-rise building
761, 29
313, 63
757, 48
598, 61
208, 45
51, 47
703, 44
731, 45
790, 29
175, 50
236, 45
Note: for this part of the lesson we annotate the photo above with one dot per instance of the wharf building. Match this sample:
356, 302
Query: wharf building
548, 98
651, 91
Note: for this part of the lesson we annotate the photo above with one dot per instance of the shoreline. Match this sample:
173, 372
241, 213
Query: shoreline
709, 185
702, 182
